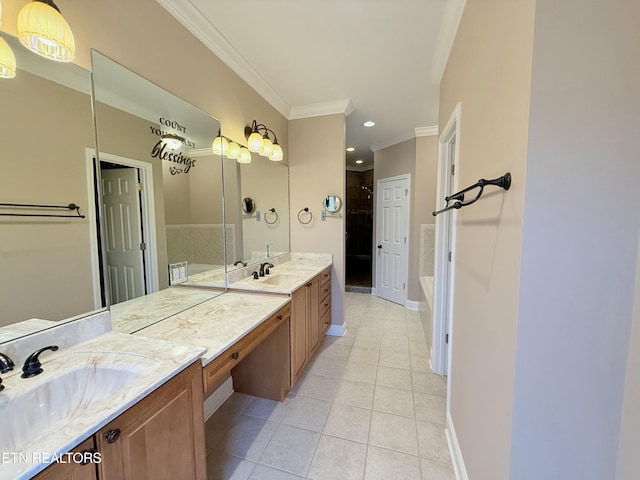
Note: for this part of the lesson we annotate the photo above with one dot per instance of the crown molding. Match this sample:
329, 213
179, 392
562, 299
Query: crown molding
188, 15
344, 107
451, 18
427, 131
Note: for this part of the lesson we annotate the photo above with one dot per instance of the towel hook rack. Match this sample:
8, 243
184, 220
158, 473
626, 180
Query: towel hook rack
70, 206
503, 182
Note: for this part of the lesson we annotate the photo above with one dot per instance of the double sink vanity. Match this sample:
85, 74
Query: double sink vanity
118, 401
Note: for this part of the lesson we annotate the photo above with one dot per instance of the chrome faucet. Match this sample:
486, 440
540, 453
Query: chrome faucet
264, 272
6, 364
32, 365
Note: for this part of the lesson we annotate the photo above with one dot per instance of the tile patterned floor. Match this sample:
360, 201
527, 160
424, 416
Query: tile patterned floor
367, 408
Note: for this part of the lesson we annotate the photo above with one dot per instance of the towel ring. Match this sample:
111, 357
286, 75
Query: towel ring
302, 212
266, 216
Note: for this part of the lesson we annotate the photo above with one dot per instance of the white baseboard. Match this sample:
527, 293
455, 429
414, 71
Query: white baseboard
374, 291
217, 398
459, 469
337, 330
415, 305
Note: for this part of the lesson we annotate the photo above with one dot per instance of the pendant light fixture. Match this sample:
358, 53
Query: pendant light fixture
44, 31
260, 142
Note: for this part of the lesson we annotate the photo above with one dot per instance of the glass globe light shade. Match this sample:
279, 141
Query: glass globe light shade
44, 31
234, 150
245, 156
254, 142
7, 60
267, 147
220, 146
277, 155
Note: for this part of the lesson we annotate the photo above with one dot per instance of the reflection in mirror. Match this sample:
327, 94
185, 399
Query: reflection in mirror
248, 205
332, 203
261, 233
46, 261
162, 197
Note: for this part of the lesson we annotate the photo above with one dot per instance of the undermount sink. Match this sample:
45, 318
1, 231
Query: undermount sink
283, 279
35, 407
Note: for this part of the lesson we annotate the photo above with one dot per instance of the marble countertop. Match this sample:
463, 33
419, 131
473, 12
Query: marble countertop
139, 313
218, 323
28, 437
284, 277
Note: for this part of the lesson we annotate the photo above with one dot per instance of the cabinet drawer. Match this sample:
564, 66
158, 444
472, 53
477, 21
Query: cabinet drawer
324, 306
325, 276
233, 355
325, 321
325, 291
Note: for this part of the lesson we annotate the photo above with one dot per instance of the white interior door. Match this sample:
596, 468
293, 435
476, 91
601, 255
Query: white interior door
123, 232
392, 232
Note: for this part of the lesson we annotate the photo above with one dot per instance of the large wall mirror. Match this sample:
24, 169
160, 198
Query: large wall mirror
48, 263
162, 195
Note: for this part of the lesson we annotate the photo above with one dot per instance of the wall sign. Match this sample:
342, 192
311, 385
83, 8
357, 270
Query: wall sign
181, 163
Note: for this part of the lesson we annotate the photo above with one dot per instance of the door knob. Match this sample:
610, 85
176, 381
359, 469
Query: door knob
379, 246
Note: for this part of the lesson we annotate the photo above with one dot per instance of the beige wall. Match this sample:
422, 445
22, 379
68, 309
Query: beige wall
489, 72
419, 158
580, 242
317, 169
45, 262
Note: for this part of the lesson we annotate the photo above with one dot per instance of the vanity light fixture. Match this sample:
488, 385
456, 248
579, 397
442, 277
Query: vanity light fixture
172, 141
224, 146
259, 141
44, 31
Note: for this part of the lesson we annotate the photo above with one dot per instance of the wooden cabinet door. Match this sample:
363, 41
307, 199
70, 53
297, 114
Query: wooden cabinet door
298, 325
314, 327
161, 437
72, 469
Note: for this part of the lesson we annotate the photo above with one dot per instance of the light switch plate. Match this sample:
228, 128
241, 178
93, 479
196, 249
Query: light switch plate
178, 273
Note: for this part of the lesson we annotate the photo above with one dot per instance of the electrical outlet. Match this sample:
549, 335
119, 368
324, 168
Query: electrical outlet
323, 215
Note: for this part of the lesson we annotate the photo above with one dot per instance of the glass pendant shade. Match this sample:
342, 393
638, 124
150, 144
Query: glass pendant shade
267, 147
7, 60
277, 155
245, 156
254, 142
172, 141
234, 150
43, 30
220, 146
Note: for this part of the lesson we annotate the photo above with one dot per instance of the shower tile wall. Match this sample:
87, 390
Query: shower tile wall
359, 225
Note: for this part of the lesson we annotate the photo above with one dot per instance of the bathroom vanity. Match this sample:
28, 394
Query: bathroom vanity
161, 436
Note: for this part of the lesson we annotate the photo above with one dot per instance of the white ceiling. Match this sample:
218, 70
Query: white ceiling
377, 60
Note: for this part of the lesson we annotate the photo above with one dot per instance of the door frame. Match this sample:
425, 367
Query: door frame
407, 177
148, 220
443, 290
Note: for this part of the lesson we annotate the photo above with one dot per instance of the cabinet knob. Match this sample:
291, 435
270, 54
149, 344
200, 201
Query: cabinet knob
87, 456
235, 355
279, 317
112, 436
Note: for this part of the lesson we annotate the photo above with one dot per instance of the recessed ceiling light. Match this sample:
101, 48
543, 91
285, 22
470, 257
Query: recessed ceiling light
351, 149
369, 123
359, 161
